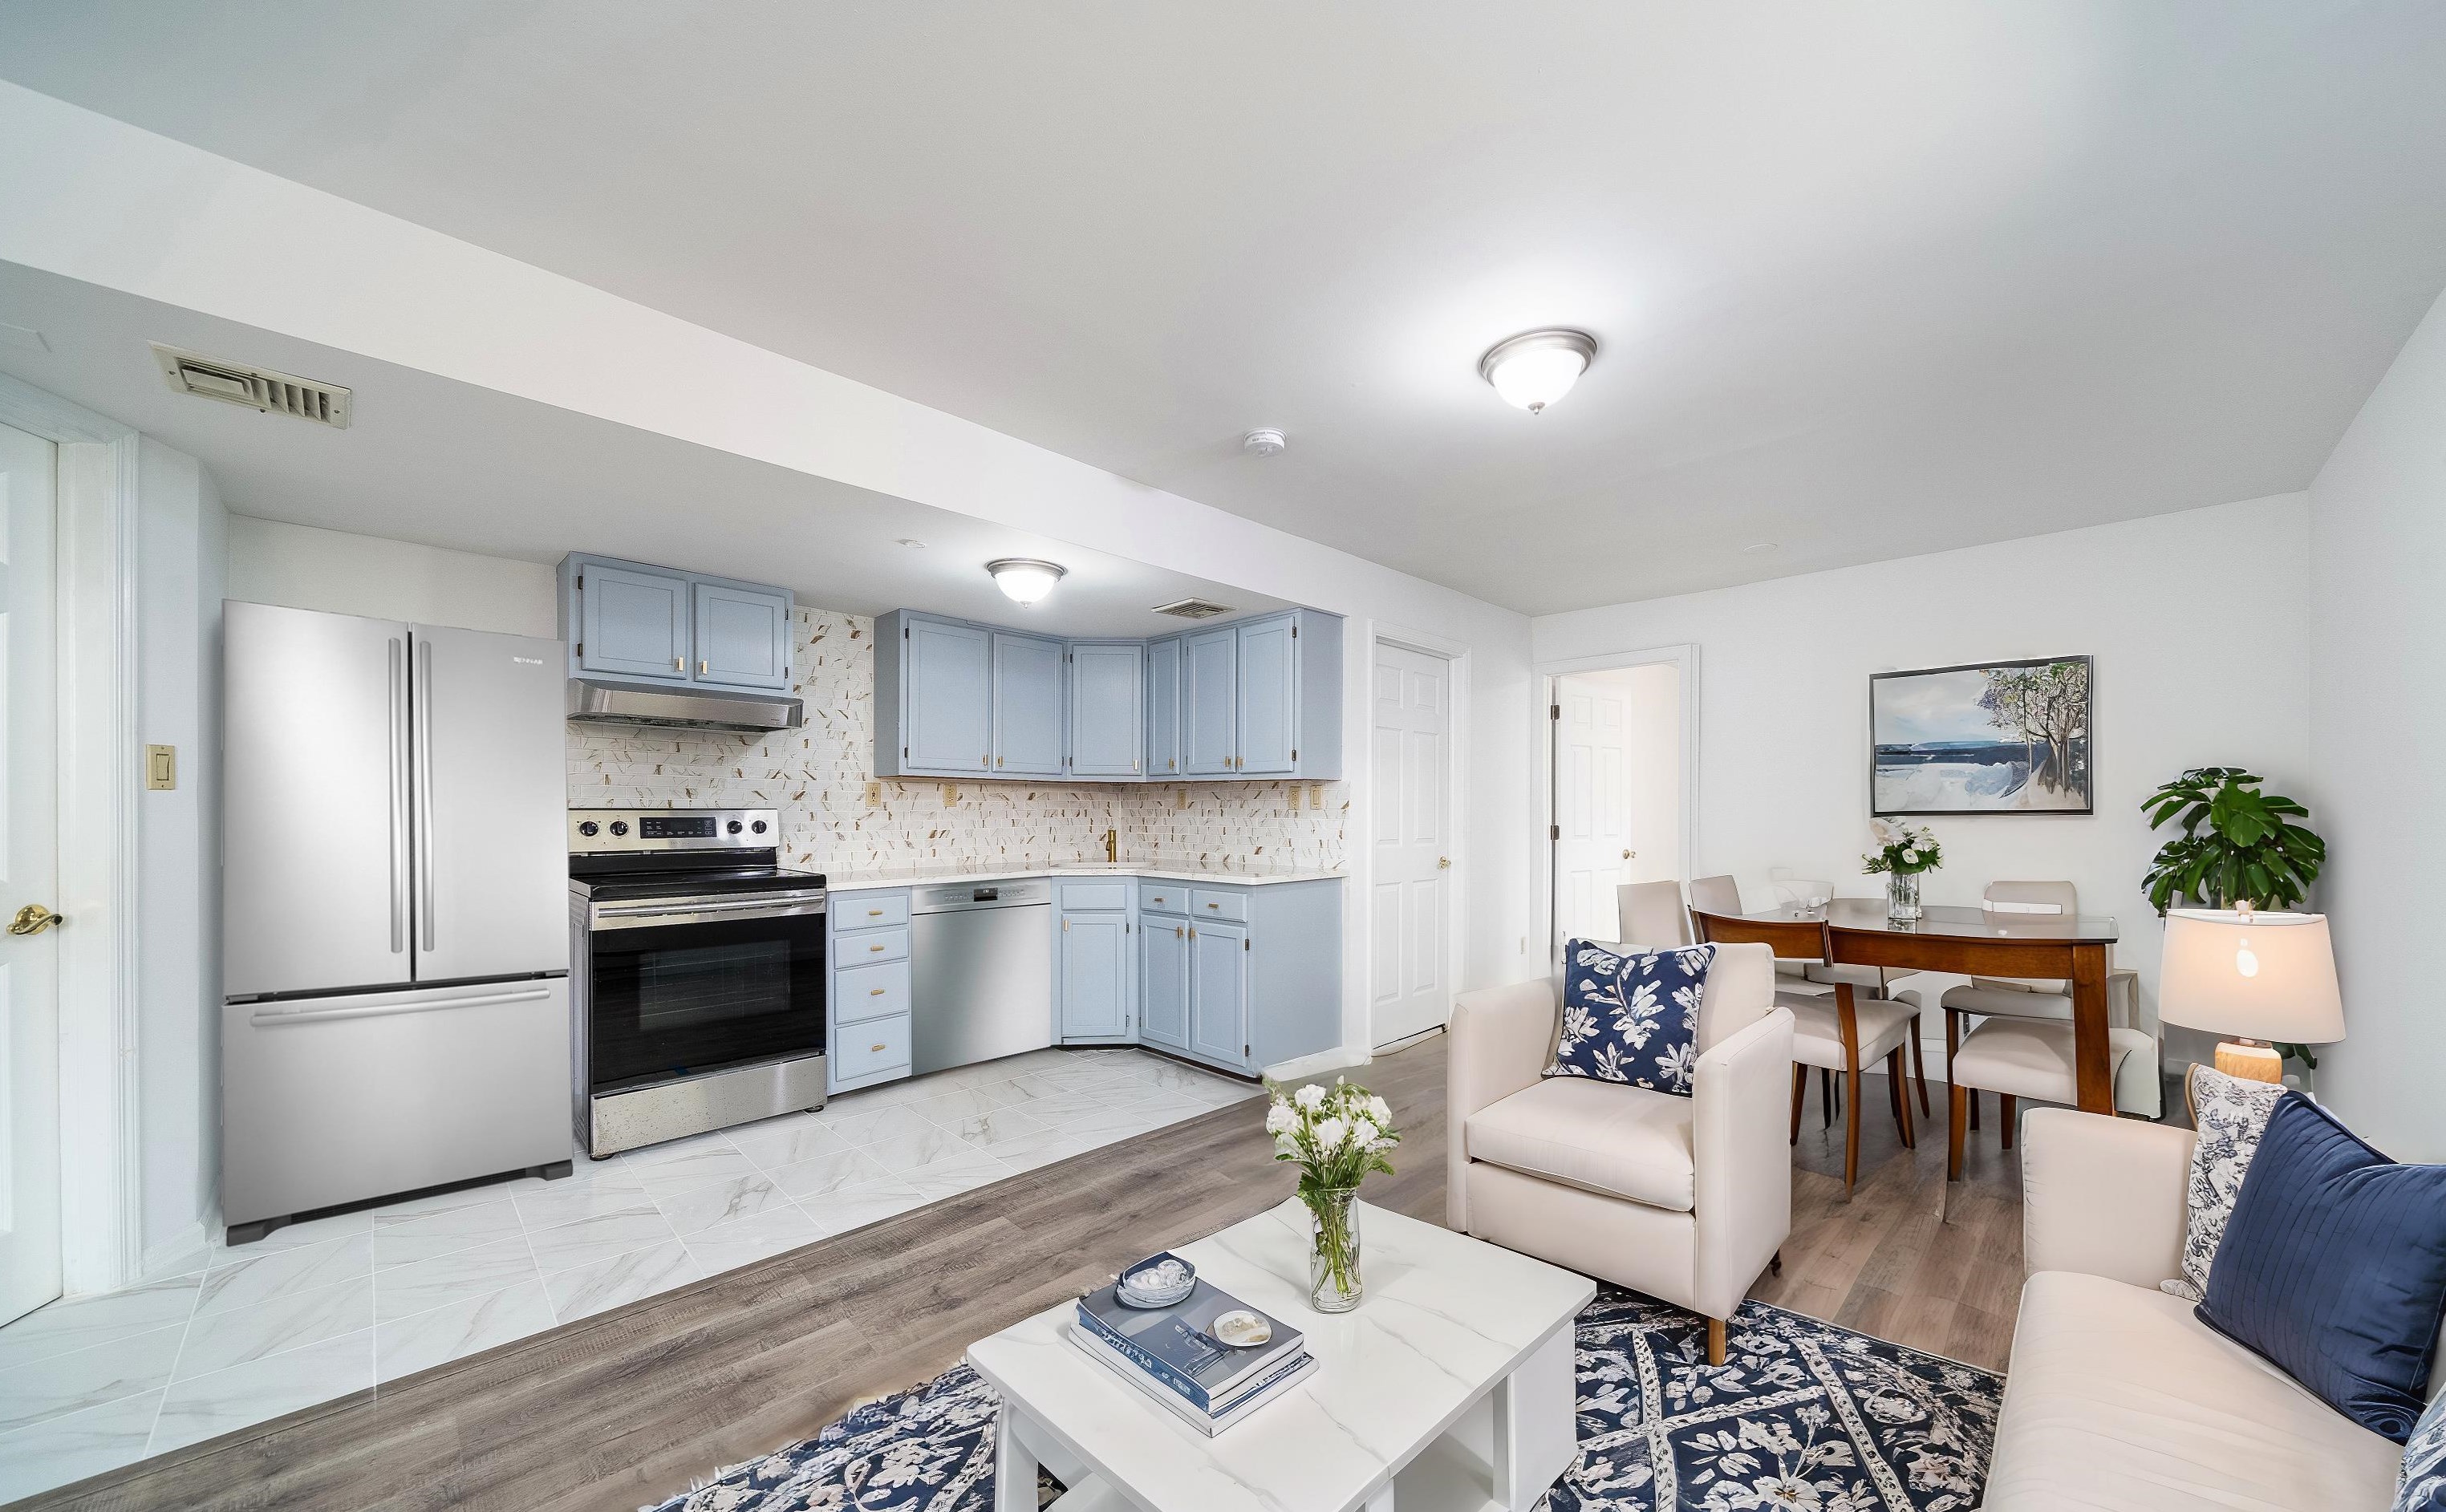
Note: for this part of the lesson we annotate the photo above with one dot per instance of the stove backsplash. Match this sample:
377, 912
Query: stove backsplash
816, 776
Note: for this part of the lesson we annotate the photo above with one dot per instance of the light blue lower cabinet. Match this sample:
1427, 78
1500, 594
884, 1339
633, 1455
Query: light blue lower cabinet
867, 1027
1218, 994
1163, 981
1094, 975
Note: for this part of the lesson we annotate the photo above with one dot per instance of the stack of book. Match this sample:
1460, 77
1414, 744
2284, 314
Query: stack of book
1172, 1355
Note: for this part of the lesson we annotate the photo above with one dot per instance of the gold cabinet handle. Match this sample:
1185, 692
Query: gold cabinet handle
1175, 931
702, 667
679, 664
875, 913
874, 992
1215, 905
33, 919
873, 948
878, 1048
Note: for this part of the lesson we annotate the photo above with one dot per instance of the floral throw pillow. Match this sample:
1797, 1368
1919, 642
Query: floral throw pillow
1632, 1018
2228, 1112
2420, 1486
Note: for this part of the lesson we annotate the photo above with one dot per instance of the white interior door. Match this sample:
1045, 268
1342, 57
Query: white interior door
29, 1037
1411, 919
1617, 790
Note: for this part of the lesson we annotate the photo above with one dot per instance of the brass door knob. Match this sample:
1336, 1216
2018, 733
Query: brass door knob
33, 919
1443, 863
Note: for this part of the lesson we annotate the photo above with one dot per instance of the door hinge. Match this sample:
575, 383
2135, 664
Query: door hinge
1553, 832
1244, 944
581, 650
1294, 629
904, 752
1244, 1051
1553, 711
1295, 753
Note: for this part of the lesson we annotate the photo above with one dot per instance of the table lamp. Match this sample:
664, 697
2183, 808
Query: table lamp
2257, 977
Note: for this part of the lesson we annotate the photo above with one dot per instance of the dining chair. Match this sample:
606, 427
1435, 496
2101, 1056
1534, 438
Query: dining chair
2046, 998
1878, 981
1651, 914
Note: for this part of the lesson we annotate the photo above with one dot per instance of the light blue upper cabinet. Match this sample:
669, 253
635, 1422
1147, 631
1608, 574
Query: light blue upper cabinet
1094, 976
1028, 700
1163, 707
742, 636
631, 621
1107, 727
931, 695
1208, 697
1269, 703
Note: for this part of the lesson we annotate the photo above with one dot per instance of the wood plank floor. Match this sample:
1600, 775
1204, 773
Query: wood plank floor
620, 1410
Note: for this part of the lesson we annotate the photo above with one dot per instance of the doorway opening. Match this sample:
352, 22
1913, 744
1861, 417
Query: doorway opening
1620, 787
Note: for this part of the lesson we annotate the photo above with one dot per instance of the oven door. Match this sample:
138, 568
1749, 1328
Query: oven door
683, 987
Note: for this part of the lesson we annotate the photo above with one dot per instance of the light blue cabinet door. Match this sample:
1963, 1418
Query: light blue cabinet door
1107, 727
1269, 699
1163, 708
1164, 983
1219, 993
1027, 706
1207, 723
1095, 968
743, 637
632, 624
942, 713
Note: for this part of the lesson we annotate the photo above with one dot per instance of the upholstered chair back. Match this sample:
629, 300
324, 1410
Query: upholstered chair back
1718, 895
1651, 914
1739, 992
2044, 898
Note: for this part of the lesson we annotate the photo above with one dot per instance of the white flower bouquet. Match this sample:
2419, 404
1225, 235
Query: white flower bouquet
1902, 851
1336, 1135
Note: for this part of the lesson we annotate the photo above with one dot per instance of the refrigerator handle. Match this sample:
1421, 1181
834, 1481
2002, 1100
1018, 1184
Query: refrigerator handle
421, 720
398, 754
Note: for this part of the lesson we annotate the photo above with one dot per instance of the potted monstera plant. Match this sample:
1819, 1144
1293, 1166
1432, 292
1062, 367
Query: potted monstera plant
2236, 845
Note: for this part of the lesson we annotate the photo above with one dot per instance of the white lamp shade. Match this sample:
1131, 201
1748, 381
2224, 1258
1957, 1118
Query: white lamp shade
1024, 580
2261, 976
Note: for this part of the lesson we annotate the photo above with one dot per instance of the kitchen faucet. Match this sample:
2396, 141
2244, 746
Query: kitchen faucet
1112, 845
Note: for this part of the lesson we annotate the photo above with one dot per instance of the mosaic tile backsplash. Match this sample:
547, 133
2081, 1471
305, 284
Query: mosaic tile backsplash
817, 776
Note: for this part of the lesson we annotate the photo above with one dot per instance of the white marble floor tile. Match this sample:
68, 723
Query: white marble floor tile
699, 1168
951, 1107
445, 1232
215, 1341
877, 1124
907, 1151
813, 1178
749, 1240
562, 1203
432, 1203
838, 1212
81, 1322
585, 1290
422, 1341
598, 1237
953, 1175
704, 1207
1029, 1152
425, 1285
779, 1142
250, 1278
88, 1377
987, 1129
77, 1444
226, 1400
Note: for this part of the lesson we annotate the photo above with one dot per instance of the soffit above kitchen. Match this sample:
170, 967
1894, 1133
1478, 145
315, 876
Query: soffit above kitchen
1866, 280
431, 460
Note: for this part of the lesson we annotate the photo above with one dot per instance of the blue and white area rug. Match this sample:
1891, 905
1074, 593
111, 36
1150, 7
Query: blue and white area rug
1801, 1414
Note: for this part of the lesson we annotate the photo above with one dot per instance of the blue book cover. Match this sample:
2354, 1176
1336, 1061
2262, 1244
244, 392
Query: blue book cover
1177, 1344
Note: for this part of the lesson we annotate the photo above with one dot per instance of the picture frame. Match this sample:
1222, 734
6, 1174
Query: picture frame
2006, 737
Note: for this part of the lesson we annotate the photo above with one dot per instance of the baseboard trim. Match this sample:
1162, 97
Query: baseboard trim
1324, 1060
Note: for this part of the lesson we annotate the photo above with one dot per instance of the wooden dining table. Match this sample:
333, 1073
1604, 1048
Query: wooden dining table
1972, 942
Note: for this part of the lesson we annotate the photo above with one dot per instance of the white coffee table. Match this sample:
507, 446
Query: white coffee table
1449, 1387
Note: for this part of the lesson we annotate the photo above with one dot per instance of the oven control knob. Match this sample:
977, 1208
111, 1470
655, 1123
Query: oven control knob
734, 826
589, 827
757, 827
620, 827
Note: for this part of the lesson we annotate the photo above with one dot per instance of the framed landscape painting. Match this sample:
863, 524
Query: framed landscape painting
1992, 737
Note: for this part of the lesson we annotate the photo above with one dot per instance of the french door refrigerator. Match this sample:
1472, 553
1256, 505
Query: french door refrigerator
395, 897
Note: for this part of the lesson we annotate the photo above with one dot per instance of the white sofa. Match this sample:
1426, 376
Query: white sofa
1686, 1198
2118, 1399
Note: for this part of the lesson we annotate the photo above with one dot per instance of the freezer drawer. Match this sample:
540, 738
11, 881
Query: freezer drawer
331, 1100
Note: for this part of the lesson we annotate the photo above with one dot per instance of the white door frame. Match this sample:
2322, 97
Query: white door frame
1455, 656
1684, 658
100, 1191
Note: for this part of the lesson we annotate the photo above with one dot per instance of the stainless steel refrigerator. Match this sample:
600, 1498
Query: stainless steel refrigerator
395, 898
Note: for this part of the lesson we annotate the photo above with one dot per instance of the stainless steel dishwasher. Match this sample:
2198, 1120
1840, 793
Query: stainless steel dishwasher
981, 969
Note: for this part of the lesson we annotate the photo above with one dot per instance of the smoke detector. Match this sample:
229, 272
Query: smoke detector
1192, 610
257, 388
1264, 442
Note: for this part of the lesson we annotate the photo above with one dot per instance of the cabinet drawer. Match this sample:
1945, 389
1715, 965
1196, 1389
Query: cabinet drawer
869, 910
1231, 906
870, 992
1163, 897
879, 1044
1101, 897
868, 946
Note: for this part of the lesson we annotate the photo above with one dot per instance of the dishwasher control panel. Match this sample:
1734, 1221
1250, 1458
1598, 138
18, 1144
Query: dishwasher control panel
1034, 891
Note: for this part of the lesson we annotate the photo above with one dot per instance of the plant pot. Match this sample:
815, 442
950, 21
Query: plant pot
1333, 1283
1902, 895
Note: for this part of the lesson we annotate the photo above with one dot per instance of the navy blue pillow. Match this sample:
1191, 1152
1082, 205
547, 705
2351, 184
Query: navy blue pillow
2334, 1267
1631, 1018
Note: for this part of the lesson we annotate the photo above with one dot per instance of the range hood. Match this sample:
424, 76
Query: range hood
611, 700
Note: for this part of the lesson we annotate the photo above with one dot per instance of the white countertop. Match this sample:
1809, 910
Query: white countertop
920, 876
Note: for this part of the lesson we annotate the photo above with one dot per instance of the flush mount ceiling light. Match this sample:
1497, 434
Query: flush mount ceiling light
1024, 579
1536, 368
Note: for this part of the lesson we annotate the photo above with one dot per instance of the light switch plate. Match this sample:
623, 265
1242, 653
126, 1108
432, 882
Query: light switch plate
161, 767
874, 793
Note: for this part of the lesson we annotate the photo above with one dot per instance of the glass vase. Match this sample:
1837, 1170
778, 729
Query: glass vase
1333, 1284
1902, 895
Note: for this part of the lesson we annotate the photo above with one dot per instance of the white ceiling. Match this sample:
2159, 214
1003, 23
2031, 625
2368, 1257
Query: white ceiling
1869, 279
449, 464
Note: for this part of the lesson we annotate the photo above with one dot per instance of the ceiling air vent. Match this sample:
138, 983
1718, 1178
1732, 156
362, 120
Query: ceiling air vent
256, 387
1192, 610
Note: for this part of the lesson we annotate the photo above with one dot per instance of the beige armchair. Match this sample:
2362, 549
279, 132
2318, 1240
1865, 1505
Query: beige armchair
1686, 1199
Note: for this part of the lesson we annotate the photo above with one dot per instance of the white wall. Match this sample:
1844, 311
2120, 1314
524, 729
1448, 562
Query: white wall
306, 568
2200, 626
181, 554
2377, 705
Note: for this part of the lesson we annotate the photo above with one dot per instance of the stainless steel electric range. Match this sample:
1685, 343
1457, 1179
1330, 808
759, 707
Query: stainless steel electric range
697, 974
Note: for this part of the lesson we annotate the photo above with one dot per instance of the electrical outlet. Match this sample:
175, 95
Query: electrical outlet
1181, 797
874, 793
950, 795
